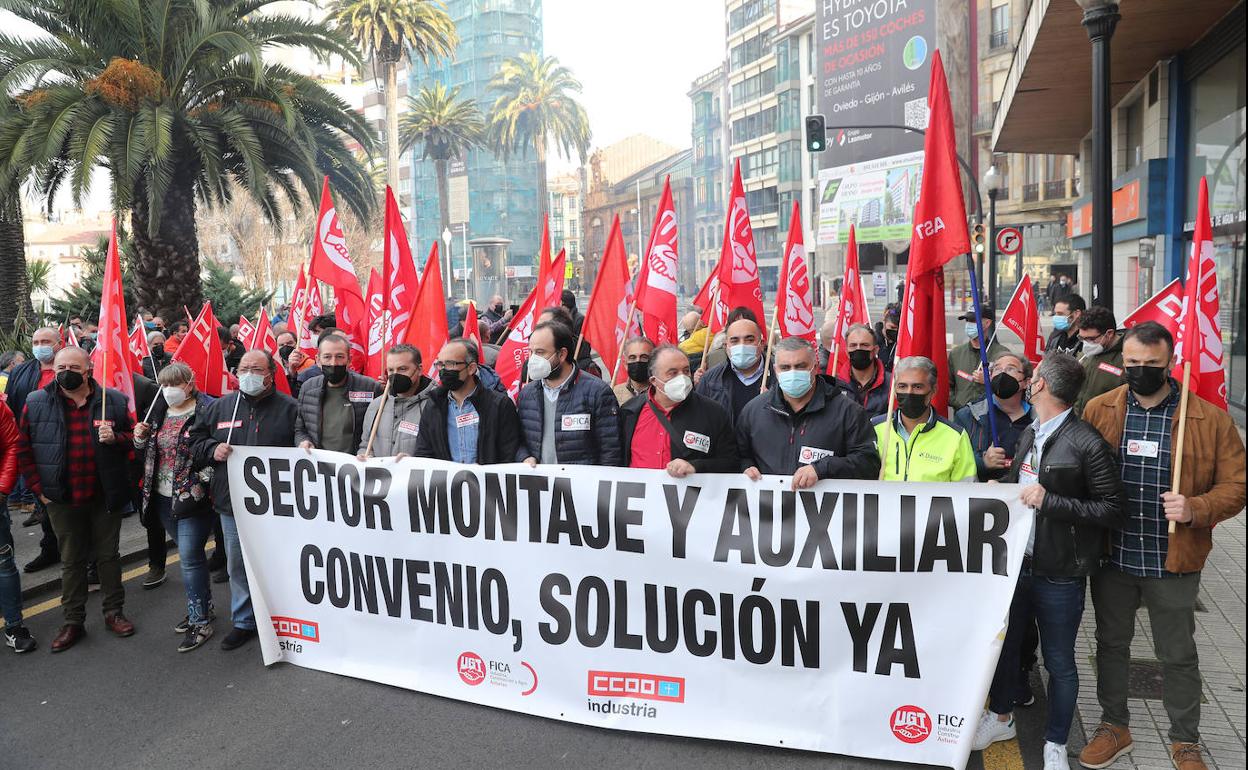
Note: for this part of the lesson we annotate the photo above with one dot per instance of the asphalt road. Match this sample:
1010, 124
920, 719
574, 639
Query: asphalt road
137, 702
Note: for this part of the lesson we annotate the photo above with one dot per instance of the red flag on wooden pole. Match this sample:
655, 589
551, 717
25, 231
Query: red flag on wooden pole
656, 285
331, 263
1022, 316
607, 312
851, 309
427, 329
111, 357
738, 261
795, 303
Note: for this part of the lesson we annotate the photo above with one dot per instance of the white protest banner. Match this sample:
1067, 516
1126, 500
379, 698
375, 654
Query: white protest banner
861, 618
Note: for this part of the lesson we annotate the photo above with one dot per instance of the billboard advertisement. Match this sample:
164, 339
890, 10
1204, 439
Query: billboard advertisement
876, 196
873, 69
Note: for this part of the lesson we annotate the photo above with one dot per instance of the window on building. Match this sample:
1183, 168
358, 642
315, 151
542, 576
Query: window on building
999, 36
754, 87
748, 13
751, 50
1133, 117
754, 126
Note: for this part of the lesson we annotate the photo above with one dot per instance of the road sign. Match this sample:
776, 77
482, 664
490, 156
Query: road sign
1009, 240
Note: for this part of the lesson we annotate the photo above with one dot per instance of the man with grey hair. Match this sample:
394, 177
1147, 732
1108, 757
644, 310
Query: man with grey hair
1009, 375
805, 426
1069, 475
672, 428
920, 445
635, 355
159, 358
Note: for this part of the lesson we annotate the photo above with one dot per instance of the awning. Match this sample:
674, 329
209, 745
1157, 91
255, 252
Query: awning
1047, 103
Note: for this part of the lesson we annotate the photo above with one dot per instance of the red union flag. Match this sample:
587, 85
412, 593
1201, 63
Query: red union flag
940, 214
331, 263
376, 326
795, 305
427, 330
851, 310
399, 278
922, 328
246, 332
266, 340
738, 262
111, 357
656, 285
1199, 339
515, 349
548, 278
1022, 317
201, 350
472, 329
711, 300
138, 345
1165, 307
607, 312
309, 308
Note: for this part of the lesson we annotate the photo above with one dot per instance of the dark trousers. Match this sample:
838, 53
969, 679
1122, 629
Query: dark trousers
1171, 605
1056, 604
157, 548
47, 543
87, 532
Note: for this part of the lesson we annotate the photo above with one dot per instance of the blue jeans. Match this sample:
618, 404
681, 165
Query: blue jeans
240, 595
191, 534
10, 578
1057, 606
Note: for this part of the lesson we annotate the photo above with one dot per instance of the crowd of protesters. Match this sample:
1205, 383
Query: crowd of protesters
1087, 433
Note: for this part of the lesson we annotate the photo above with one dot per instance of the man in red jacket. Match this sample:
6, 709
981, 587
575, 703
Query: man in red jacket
15, 634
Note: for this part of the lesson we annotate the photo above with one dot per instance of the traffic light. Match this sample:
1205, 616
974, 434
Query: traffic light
816, 134
978, 242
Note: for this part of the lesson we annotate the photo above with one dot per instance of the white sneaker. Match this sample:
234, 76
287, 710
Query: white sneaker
990, 730
1055, 756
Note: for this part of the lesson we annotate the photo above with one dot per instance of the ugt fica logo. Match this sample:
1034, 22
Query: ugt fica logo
910, 724
471, 668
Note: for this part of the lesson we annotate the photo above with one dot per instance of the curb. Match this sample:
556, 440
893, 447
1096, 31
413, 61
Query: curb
48, 580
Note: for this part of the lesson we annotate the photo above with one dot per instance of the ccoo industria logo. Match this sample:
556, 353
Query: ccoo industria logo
303, 630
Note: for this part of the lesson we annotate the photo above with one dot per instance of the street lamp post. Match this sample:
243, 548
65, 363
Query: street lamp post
446, 240
992, 183
637, 212
1099, 18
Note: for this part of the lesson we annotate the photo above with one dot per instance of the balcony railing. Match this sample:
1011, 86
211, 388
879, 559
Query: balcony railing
998, 39
1055, 189
1031, 192
983, 123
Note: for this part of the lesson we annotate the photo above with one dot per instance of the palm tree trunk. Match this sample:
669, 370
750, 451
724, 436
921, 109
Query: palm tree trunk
543, 202
392, 124
166, 263
444, 196
14, 286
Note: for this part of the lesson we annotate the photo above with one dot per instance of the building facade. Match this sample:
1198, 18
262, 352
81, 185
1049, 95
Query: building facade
565, 225
1178, 114
490, 197
708, 98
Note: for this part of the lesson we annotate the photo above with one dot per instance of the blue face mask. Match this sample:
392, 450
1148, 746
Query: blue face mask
743, 356
44, 353
972, 331
1061, 322
795, 383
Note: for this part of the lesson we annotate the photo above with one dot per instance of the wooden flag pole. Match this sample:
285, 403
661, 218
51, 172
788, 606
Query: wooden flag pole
619, 354
706, 343
372, 434
888, 433
771, 331
1176, 464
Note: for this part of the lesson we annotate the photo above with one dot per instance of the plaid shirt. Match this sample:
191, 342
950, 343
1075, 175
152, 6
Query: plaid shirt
82, 482
1140, 547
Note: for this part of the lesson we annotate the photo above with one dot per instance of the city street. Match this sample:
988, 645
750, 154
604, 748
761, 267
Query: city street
137, 702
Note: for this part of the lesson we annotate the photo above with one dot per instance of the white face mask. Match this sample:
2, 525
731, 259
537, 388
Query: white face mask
1093, 348
251, 383
174, 395
539, 368
678, 388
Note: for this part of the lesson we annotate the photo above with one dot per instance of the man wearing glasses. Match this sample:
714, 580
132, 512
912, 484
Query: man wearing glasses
1102, 354
1009, 376
465, 422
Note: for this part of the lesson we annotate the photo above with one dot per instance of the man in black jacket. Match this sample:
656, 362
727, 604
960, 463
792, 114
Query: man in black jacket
866, 382
1067, 313
739, 380
673, 428
33, 374
76, 450
465, 422
805, 426
257, 415
332, 404
1069, 475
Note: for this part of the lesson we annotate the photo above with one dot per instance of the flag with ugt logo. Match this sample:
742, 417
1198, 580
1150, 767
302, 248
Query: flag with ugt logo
795, 305
851, 310
1199, 339
656, 290
331, 263
111, 357
738, 261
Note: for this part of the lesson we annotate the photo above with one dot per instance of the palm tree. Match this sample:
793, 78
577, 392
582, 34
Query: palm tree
448, 127
175, 99
39, 276
534, 106
387, 31
14, 287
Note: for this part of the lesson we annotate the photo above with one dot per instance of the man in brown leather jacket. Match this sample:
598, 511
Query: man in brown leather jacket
1147, 565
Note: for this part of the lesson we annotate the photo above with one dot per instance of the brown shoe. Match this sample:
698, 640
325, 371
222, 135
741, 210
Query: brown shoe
1187, 756
68, 636
1108, 742
117, 623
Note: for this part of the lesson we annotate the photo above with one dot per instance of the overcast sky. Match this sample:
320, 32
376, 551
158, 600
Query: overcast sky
636, 61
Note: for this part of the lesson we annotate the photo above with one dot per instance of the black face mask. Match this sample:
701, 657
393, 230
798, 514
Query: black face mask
334, 375
912, 405
285, 350
1004, 385
158, 350
860, 359
639, 371
498, 308
1145, 380
890, 335
69, 380
451, 380
400, 383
